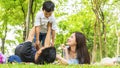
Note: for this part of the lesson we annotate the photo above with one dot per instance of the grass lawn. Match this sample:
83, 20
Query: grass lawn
54, 66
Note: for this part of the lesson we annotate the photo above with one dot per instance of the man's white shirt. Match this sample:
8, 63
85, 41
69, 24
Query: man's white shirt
42, 21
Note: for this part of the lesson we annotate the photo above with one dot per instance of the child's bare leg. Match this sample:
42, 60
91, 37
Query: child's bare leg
31, 35
47, 39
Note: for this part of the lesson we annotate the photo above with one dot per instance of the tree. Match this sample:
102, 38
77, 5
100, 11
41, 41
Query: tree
4, 36
30, 4
118, 43
10, 16
96, 6
4, 26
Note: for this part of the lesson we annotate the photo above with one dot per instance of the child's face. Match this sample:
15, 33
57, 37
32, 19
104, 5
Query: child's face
47, 14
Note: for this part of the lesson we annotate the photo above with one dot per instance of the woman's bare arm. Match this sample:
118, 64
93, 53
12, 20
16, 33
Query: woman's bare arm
31, 35
65, 50
62, 60
66, 53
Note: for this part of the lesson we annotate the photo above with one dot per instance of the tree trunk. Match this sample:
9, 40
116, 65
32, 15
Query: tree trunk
94, 46
95, 36
32, 19
96, 6
24, 15
28, 17
3, 39
118, 43
2, 48
104, 41
118, 47
101, 14
32, 13
104, 32
118, 40
100, 40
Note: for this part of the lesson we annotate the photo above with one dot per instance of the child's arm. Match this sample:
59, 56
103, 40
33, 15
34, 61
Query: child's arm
54, 28
46, 44
53, 37
47, 39
37, 32
37, 29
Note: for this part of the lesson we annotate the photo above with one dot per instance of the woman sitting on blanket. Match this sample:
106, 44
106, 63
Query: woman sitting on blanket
76, 52
28, 53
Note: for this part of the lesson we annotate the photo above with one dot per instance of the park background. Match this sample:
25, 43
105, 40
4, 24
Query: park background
98, 20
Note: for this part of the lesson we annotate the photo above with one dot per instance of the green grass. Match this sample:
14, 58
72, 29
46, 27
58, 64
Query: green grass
54, 66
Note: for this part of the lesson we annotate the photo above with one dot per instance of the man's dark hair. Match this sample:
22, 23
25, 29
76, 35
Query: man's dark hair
48, 55
48, 6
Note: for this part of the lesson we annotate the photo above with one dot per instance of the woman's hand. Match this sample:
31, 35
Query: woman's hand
38, 53
37, 44
40, 50
58, 56
64, 48
61, 60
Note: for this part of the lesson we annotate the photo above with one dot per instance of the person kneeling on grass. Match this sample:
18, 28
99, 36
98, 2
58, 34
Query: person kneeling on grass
29, 53
76, 52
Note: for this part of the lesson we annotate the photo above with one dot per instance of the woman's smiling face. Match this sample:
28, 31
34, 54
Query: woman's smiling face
71, 40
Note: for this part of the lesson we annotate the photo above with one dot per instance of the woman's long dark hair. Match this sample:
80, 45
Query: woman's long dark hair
81, 49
